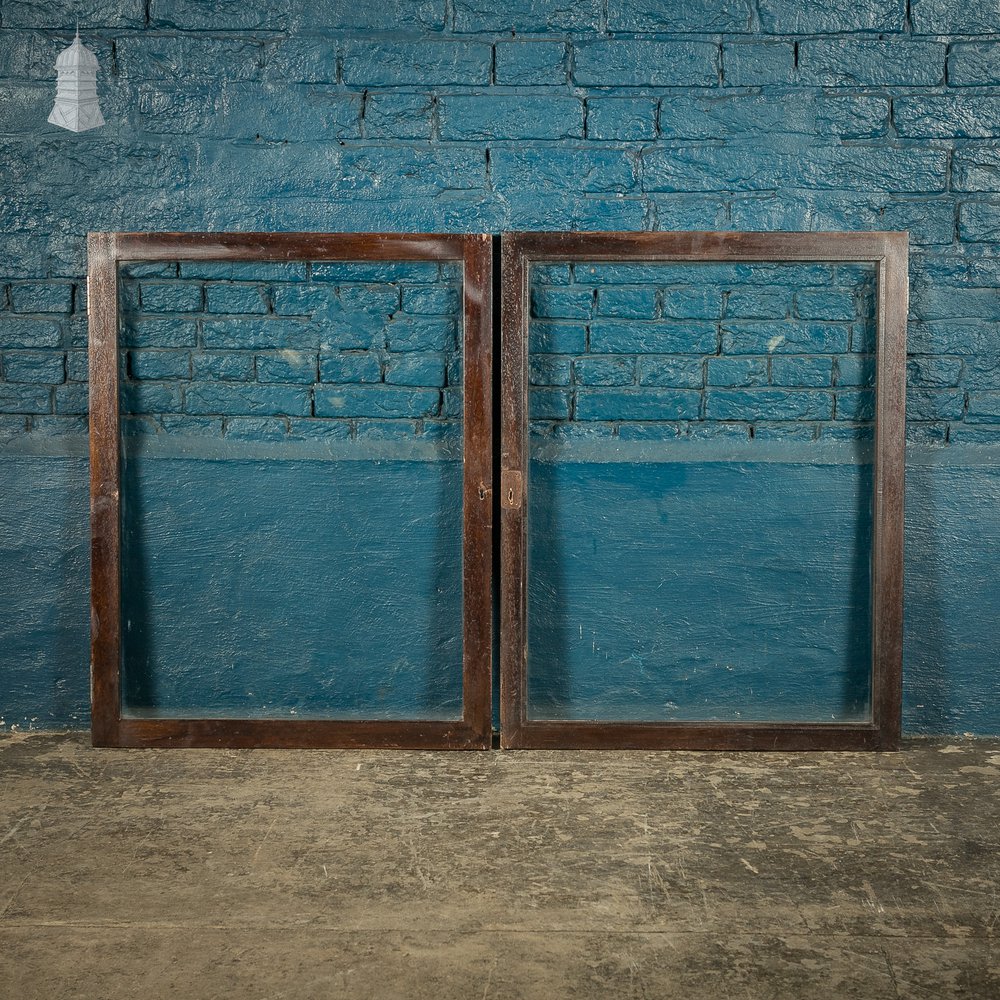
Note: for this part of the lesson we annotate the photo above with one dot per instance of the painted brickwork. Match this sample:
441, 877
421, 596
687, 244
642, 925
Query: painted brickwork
463, 115
646, 351
314, 350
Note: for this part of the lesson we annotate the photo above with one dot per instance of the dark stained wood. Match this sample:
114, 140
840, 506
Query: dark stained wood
305, 734
105, 489
513, 453
288, 246
477, 547
474, 731
890, 449
888, 251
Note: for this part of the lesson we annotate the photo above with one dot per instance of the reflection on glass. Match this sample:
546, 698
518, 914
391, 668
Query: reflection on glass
699, 509
291, 490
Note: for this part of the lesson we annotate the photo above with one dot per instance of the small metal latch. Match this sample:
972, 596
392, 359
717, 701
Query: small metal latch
511, 489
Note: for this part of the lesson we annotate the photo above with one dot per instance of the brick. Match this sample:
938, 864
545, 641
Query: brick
520, 64
147, 332
933, 404
77, 366
419, 333
622, 119
762, 302
511, 117
548, 370
302, 299
676, 373
149, 56
945, 17
976, 168
646, 63
768, 404
604, 371
287, 366
984, 408
340, 368
852, 62
524, 16
412, 272
753, 337
230, 15
396, 173
323, 429
737, 371
826, 303
964, 116
981, 373
854, 369
88, 14
814, 17
979, 221
234, 299
556, 338
559, 302
170, 298
151, 397
250, 399
637, 404
540, 170
692, 303
758, 64
855, 404
432, 301
223, 366
973, 64
429, 62
41, 298
18, 332
937, 373
807, 371
376, 401
693, 116
701, 16
73, 398
252, 111
936, 302
256, 428
399, 116
415, 369
548, 404
928, 222
623, 337
34, 366
159, 364
242, 270
628, 303
249, 334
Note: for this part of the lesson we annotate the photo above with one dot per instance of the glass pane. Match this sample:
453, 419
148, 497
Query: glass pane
699, 507
292, 490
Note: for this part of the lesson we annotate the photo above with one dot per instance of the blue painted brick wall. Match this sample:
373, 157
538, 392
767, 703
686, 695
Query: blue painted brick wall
462, 115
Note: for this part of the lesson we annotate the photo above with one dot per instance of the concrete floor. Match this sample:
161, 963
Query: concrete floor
240, 874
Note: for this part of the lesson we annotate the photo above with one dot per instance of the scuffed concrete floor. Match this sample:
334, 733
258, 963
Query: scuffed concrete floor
496, 876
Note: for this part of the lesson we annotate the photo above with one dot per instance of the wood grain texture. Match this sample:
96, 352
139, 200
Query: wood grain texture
109, 728
105, 490
888, 251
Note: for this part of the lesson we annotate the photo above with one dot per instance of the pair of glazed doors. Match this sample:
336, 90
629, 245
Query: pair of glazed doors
657, 478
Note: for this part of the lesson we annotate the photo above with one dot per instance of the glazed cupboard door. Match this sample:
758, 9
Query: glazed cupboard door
291, 489
701, 489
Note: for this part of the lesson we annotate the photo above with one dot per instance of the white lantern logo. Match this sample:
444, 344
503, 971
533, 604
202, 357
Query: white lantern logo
76, 105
